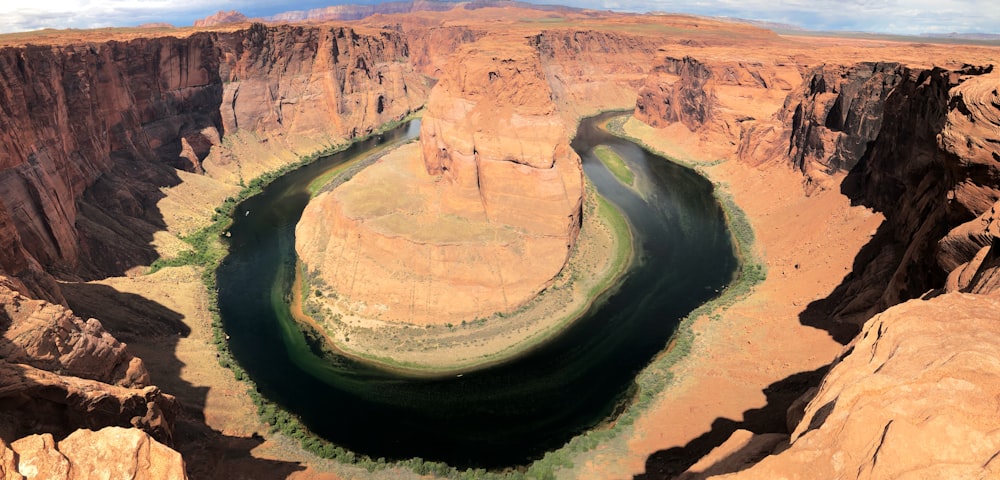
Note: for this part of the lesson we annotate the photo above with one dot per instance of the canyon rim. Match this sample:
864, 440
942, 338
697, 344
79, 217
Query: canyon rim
867, 169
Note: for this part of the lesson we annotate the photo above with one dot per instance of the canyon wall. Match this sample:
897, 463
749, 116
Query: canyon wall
713, 98
593, 70
917, 145
914, 144
91, 132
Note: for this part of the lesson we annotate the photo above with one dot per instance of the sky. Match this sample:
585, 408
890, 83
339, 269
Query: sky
878, 16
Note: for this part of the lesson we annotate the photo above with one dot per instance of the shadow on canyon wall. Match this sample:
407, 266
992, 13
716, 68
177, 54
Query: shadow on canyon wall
152, 332
771, 418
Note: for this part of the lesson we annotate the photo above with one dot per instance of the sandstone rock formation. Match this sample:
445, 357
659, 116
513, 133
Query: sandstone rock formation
918, 144
828, 121
904, 142
915, 396
111, 452
478, 223
50, 337
221, 17
594, 70
97, 382
90, 132
709, 97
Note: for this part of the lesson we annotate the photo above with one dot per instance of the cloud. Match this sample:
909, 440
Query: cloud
885, 16
92, 13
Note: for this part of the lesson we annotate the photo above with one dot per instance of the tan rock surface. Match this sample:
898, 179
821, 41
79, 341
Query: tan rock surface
746, 358
915, 397
111, 452
743, 449
50, 337
477, 221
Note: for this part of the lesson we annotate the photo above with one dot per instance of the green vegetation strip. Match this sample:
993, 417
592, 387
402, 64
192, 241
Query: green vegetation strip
207, 252
655, 378
596, 206
615, 164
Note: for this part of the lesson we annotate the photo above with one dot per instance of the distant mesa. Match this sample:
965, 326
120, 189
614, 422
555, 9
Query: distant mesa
222, 18
155, 25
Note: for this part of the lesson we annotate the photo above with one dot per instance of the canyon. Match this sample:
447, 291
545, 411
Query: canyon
479, 222
868, 170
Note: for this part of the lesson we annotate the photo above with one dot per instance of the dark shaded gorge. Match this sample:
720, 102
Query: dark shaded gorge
505, 415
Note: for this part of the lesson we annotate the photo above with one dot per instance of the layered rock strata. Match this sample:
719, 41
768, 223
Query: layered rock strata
478, 222
91, 132
89, 135
930, 166
914, 144
712, 98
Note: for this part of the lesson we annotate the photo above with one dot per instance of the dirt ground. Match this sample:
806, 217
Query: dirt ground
748, 363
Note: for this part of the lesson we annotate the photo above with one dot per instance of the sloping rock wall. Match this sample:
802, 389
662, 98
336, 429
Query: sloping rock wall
91, 132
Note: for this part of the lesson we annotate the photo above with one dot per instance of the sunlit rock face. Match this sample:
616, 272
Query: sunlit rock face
90, 133
915, 397
476, 219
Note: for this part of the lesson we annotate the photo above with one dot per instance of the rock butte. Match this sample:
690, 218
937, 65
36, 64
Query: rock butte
95, 126
477, 221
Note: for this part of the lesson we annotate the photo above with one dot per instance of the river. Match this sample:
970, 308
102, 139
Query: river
503, 415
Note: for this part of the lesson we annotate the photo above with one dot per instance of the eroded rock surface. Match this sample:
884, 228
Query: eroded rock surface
915, 397
91, 132
477, 222
915, 144
48, 336
111, 452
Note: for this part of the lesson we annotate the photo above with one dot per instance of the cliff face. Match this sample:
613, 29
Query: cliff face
919, 146
826, 123
916, 145
316, 82
687, 101
912, 149
896, 407
713, 98
91, 132
593, 70
478, 221
491, 131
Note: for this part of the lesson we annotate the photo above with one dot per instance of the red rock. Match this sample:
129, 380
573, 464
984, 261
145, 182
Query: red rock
50, 337
914, 397
91, 132
221, 18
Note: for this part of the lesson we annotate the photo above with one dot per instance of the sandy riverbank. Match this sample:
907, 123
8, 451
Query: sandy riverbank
748, 358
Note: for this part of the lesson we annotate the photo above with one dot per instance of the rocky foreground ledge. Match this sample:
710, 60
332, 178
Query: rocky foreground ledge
112, 452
